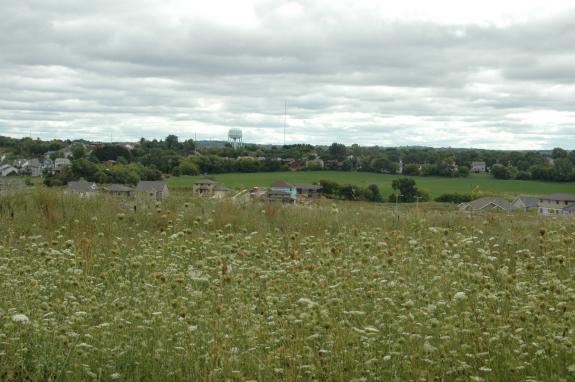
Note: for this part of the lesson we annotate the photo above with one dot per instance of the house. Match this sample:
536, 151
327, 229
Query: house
19, 163
119, 190
556, 204
281, 191
478, 167
204, 187
156, 189
525, 202
33, 167
311, 191
82, 188
220, 191
7, 169
61, 162
486, 204
47, 165
291, 163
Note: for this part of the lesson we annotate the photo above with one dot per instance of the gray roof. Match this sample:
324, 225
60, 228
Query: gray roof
118, 188
306, 186
205, 181
481, 203
147, 185
528, 201
559, 197
82, 186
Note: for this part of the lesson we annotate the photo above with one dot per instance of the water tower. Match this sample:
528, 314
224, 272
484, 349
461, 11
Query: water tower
235, 138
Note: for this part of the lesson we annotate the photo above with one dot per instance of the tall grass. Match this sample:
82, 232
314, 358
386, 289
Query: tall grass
192, 289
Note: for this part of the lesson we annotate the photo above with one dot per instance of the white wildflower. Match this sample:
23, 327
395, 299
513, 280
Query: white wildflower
22, 318
460, 296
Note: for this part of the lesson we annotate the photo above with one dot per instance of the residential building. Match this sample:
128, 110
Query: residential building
119, 190
556, 204
33, 167
220, 191
478, 167
157, 189
204, 187
7, 169
311, 191
61, 162
281, 191
82, 188
486, 204
525, 202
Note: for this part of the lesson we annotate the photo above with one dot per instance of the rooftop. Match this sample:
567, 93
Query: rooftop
559, 197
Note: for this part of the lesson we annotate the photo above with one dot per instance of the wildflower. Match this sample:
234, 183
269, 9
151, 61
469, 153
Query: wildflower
22, 318
460, 296
306, 301
115, 376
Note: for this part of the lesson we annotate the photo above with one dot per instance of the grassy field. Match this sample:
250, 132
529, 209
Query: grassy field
434, 185
107, 289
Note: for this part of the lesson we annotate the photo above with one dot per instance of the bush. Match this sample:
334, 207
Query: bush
453, 198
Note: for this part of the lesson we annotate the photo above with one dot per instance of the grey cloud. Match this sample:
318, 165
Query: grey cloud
69, 68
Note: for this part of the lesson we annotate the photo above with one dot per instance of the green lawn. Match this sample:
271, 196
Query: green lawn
435, 185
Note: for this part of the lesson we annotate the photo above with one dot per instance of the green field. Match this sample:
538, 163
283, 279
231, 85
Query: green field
434, 185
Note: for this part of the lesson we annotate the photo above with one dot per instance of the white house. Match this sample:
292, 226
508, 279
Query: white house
7, 169
478, 167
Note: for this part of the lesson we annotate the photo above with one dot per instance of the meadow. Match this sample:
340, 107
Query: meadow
434, 185
108, 289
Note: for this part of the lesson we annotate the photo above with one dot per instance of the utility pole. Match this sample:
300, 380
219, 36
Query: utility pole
285, 121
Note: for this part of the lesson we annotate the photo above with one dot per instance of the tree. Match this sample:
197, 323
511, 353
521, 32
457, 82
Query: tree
337, 151
406, 188
562, 170
78, 151
172, 142
500, 172
411, 169
373, 193
558, 153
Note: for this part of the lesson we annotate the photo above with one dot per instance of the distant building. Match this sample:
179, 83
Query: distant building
220, 191
556, 204
82, 188
281, 191
204, 187
59, 163
119, 190
33, 167
525, 202
486, 204
311, 191
478, 167
7, 169
155, 189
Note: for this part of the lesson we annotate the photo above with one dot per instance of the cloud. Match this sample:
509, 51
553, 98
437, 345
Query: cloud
350, 72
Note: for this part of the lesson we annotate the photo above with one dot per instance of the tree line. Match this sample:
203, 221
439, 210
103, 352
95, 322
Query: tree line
147, 158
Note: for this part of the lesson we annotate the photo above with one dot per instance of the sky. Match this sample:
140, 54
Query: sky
489, 74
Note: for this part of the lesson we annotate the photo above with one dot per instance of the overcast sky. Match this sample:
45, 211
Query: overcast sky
486, 74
